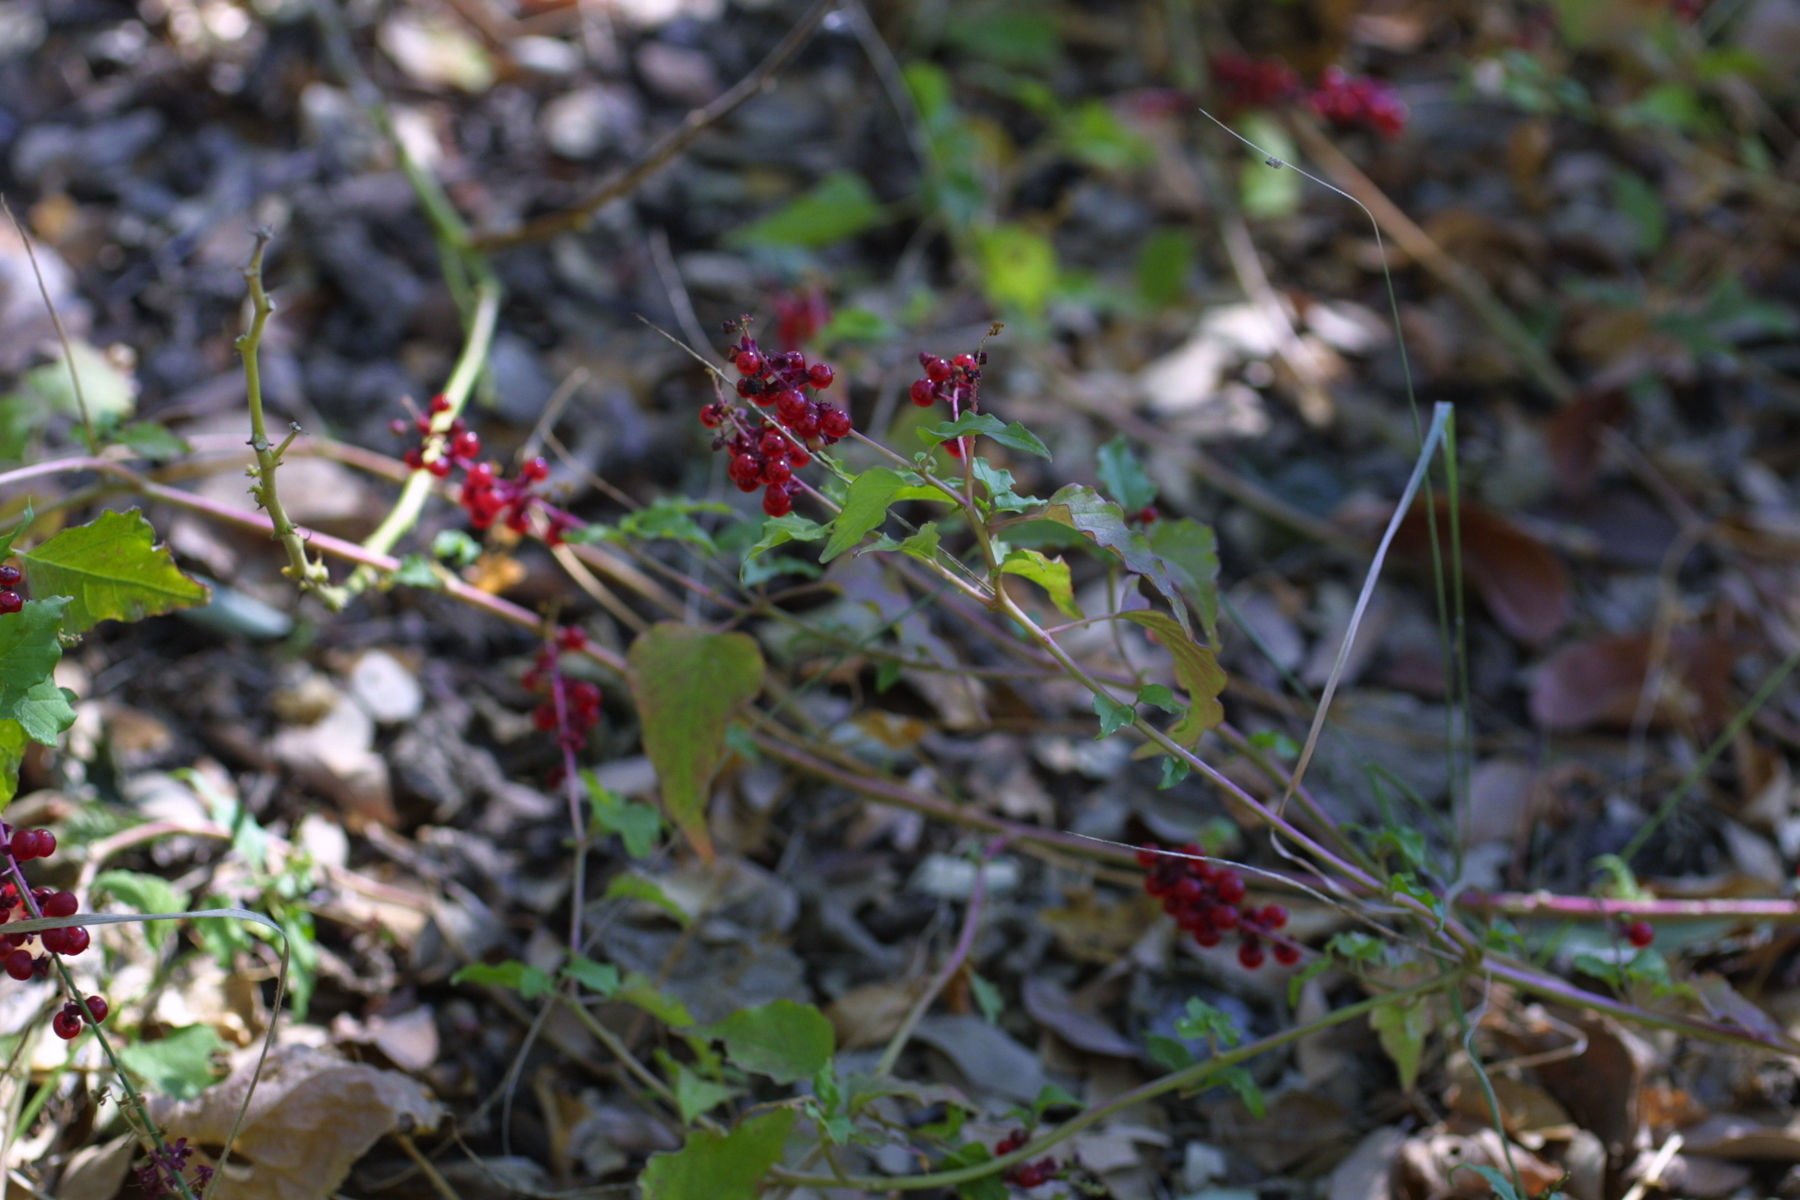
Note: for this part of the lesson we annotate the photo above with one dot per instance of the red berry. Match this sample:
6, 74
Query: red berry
1286, 953
798, 457
776, 502
543, 717
1639, 934
772, 442
1274, 916
749, 362
440, 467
923, 394
1225, 917
1147, 515
712, 416
1147, 856
1250, 955
777, 470
97, 1008
413, 458
964, 363
1230, 886
820, 375
66, 1024
466, 444
21, 965
61, 904
10, 602
790, 406
440, 403
571, 638
534, 470
1207, 937
834, 422
1030, 1176
10, 576
806, 425
937, 370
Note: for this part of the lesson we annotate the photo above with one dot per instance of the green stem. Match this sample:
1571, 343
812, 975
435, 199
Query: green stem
1175, 1081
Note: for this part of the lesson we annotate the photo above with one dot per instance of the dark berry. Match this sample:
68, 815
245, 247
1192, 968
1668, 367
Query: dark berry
10, 576
1230, 886
97, 1008
1274, 916
66, 1024
923, 394
776, 501
1639, 934
834, 422
21, 965
1286, 953
1250, 954
61, 904
10, 601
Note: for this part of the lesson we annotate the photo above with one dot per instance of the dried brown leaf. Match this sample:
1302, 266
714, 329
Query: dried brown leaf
1516, 576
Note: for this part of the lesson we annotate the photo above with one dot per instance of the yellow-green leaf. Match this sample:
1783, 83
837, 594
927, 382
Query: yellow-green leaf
1198, 671
1051, 574
687, 683
111, 570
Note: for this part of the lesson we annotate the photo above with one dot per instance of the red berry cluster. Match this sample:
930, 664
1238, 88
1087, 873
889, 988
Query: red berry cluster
800, 315
1350, 100
487, 495
1638, 933
20, 902
10, 600
1207, 903
1252, 82
1025, 1175
955, 381
762, 454
571, 707
1343, 99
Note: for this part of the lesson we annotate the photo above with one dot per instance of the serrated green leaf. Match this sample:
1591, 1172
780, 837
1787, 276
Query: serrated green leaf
784, 1040
1103, 523
638, 825
999, 484
713, 1166
1190, 552
600, 978
45, 711
1198, 671
178, 1064
687, 683
696, 1095
1401, 1026
29, 651
1051, 574
986, 425
112, 570
530, 982
839, 206
12, 757
1123, 477
1113, 715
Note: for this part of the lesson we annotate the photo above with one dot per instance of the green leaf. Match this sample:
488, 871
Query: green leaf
866, 506
638, 991
29, 651
923, 544
778, 531
853, 324
999, 484
20, 526
1162, 273
147, 894
1401, 1026
530, 982
986, 425
712, 1166
1123, 477
638, 825
1018, 267
1266, 190
1051, 574
1008, 35
1158, 696
455, 547
1190, 553
1167, 1052
1174, 770
969, 1154
151, 441
1198, 671
106, 390
1203, 1021
12, 757
687, 683
1244, 1084
111, 570
1103, 523
417, 571
781, 1039
671, 519
987, 998
600, 978
637, 887
45, 711
1052, 1096
839, 206
178, 1064
1095, 136
696, 1095
1113, 715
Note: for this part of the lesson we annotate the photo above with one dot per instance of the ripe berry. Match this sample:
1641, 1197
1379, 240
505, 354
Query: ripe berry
922, 393
10, 601
820, 375
936, 370
749, 362
1230, 886
834, 422
1250, 954
776, 501
1274, 916
440, 403
1639, 934
534, 470
1286, 953
10, 576
465, 445
97, 1008
21, 965
61, 904
66, 1024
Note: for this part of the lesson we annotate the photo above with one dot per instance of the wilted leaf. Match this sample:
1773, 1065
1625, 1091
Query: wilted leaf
1198, 671
1601, 682
311, 1116
111, 570
1522, 584
687, 682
